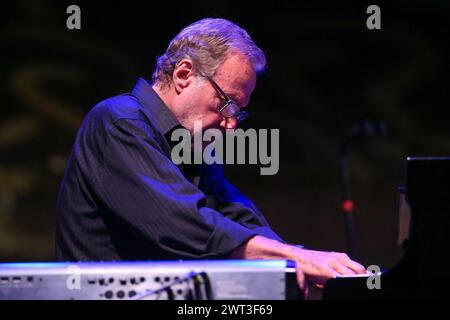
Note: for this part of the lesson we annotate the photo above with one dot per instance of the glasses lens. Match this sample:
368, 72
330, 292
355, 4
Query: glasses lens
231, 109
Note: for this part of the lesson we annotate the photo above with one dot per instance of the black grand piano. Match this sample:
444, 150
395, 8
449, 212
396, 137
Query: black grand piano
424, 270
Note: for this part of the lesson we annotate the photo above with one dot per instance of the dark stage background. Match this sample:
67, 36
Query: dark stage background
326, 72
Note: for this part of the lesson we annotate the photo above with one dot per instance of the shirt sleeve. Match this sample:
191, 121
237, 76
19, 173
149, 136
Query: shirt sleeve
140, 186
234, 204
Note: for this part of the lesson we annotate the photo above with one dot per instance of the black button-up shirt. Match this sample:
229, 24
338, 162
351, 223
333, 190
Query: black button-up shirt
122, 198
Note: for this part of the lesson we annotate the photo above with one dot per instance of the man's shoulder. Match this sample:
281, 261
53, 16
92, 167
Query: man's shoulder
113, 109
123, 112
120, 109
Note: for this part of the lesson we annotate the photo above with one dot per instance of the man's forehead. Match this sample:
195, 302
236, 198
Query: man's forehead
237, 65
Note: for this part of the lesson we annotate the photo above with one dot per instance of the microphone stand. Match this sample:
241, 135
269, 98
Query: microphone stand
361, 130
347, 205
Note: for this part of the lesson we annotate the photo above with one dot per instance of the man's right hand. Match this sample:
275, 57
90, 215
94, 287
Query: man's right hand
320, 266
316, 267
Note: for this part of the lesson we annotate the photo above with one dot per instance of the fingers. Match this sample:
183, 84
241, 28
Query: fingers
301, 278
320, 266
302, 283
353, 266
329, 273
319, 286
322, 275
341, 268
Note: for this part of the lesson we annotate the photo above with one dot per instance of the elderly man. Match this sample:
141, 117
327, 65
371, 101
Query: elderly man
123, 198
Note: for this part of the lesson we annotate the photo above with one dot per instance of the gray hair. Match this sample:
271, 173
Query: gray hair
207, 43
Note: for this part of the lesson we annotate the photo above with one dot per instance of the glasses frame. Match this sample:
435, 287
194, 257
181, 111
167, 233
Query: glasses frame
240, 114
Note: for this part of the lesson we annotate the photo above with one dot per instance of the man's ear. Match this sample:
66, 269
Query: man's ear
183, 74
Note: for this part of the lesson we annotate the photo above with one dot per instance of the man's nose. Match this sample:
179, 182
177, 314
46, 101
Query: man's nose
229, 123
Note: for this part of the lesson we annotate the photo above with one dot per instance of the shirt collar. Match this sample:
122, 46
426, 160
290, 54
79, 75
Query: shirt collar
156, 108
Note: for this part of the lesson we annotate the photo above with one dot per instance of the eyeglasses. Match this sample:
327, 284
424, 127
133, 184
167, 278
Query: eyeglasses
230, 109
